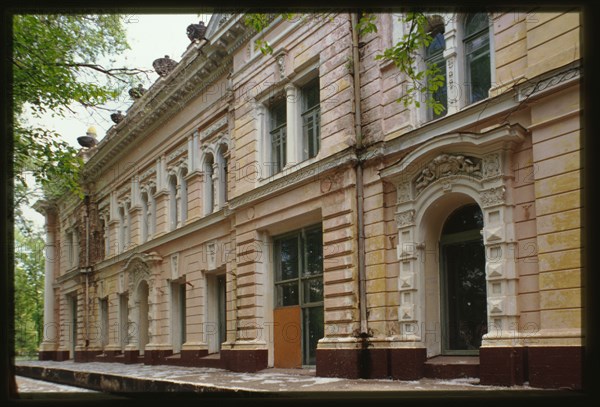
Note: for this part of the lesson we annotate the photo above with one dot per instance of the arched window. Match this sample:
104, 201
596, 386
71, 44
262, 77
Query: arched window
223, 162
477, 57
105, 235
183, 196
434, 56
173, 198
151, 212
145, 219
209, 186
122, 229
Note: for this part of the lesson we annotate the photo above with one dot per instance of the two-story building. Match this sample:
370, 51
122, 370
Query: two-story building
285, 210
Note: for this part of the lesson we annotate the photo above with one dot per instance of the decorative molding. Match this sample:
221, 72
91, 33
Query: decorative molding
447, 164
492, 196
175, 266
491, 165
178, 152
209, 131
539, 87
405, 218
150, 171
403, 192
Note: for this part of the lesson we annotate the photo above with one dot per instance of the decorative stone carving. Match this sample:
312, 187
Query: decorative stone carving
213, 128
177, 153
195, 32
446, 164
280, 58
175, 266
492, 196
137, 93
534, 88
224, 19
117, 117
403, 192
150, 171
405, 218
491, 165
164, 66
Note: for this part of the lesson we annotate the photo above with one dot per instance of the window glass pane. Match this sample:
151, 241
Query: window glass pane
287, 294
479, 42
441, 94
288, 259
310, 95
313, 331
313, 290
438, 43
475, 23
277, 114
480, 75
314, 253
278, 149
311, 132
468, 217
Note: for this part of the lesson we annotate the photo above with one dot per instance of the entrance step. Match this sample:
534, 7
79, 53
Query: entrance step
212, 360
452, 367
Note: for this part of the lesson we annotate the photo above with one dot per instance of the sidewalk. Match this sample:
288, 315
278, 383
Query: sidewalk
139, 378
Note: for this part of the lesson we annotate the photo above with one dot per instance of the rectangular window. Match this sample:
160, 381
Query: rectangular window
311, 119
277, 115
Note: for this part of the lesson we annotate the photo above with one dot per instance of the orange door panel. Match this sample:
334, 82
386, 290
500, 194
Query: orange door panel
287, 334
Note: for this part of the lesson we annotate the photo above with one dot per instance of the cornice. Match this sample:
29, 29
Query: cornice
167, 97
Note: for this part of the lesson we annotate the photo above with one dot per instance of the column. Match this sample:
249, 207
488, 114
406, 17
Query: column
51, 332
293, 129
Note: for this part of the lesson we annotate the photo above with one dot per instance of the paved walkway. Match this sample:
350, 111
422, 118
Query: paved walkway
117, 377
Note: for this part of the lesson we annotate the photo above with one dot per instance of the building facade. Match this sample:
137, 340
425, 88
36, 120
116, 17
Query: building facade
285, 210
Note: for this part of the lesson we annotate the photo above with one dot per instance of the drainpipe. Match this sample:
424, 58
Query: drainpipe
359, 182
87, 268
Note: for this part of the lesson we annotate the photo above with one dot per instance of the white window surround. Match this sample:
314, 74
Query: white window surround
294, 134
420, 214
214, 157
455, 63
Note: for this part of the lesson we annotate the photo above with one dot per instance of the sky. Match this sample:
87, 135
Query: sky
150, 36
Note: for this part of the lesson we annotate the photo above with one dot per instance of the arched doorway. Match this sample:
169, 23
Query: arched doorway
463, 283
142, 295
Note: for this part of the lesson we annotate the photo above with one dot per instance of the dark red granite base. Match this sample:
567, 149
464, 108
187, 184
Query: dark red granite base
244, 360
86, 355
131, 356
555, 366
156, 357
191, 357
503, 366
407, 364
338, 363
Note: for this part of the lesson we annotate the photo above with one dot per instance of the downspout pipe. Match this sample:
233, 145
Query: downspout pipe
87, 268
359, 180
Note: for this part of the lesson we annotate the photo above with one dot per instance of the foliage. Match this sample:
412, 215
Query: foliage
29, 288
403, 54
56, 63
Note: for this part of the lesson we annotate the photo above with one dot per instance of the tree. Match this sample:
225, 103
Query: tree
56, 64
29, 288
403, 54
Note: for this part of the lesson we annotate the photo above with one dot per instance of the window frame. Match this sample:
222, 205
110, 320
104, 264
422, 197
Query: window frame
470, 38
277, 136
301, 235
314, 113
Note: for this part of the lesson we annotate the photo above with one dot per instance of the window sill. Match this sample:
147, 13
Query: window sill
287, 170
